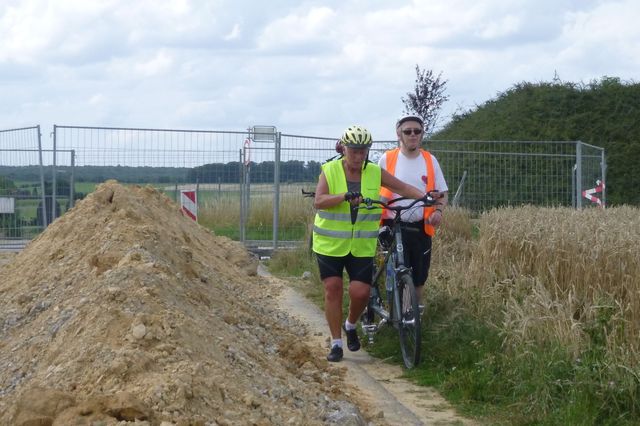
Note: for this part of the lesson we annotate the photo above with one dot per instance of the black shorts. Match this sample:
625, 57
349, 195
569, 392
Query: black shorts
417, 250
358, 268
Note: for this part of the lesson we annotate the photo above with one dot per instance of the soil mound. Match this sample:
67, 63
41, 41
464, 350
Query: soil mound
125, 311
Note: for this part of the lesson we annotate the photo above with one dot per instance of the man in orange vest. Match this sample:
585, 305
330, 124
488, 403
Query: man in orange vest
417, 167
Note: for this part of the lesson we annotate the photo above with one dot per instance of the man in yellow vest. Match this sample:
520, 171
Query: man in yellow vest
345, 237
415, 166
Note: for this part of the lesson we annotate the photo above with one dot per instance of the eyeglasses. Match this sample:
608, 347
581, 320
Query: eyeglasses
409, 131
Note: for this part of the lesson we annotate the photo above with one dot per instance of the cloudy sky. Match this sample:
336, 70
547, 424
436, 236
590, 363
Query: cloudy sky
307, 67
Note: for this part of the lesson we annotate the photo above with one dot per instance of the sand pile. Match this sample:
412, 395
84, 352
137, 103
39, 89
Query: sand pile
126, 311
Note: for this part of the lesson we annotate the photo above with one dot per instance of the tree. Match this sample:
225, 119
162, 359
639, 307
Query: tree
427, 98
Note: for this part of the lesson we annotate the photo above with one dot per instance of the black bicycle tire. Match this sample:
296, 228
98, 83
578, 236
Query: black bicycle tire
410, 332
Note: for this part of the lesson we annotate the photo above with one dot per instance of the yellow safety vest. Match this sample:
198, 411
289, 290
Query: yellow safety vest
333, 232
392, 159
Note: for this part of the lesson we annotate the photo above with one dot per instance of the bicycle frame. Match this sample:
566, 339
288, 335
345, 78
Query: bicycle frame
395, 254
404, 312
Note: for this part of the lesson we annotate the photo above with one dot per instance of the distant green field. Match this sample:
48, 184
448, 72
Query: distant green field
218, 207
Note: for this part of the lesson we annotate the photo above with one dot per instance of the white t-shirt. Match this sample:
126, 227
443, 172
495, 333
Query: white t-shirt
414, 172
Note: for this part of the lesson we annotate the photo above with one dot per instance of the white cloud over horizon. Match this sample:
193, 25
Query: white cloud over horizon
308, 67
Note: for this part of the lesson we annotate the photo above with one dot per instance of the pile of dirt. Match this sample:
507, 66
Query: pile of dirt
125, 311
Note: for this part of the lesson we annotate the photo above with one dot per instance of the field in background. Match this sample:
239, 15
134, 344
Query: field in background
219, 204
219, 208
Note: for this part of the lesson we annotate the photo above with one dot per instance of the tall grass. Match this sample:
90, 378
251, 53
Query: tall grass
295, 215
562, 272
551, 296
533, 315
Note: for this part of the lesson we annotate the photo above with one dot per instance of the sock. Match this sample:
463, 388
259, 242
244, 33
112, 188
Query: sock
336, 342
349, 326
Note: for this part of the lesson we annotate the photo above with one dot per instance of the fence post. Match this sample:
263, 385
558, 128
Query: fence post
573, 186
579, 175
603, 171
54, 201
456, 198
72, 180
242, 198
276, 190
43, 193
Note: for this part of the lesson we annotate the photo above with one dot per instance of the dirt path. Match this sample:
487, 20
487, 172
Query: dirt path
398, 401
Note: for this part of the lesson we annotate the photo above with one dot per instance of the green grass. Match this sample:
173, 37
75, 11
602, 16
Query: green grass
85, 187
466, 360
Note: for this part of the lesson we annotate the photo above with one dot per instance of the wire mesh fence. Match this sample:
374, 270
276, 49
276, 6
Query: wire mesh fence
23, 199
248, 183
488, 174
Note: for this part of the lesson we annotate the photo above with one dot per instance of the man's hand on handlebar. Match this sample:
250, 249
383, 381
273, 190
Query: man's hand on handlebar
433, 195
436, 217
353, 197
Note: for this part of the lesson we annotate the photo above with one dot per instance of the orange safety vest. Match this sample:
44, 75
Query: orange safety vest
392, 159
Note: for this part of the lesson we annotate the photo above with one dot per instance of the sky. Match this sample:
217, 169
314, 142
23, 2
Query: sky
307, 67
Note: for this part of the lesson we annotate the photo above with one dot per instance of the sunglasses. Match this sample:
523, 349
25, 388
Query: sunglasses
414, 131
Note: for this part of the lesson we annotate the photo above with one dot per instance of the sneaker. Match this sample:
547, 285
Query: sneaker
335, 355
421, 309
353, 342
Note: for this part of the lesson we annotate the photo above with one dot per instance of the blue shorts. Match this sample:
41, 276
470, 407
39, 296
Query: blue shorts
358, 268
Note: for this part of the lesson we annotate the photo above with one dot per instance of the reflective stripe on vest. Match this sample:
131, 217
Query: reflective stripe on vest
391, 161
333, 232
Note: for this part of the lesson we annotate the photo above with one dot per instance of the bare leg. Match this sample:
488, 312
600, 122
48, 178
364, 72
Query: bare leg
333, 305
359, 297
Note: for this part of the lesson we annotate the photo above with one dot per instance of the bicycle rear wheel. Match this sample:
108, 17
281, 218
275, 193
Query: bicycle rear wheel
408, 315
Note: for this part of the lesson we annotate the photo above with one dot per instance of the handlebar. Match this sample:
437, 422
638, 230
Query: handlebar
427, 201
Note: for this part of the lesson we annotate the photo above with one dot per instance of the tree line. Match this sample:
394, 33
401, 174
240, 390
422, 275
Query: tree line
604, 113
290, 171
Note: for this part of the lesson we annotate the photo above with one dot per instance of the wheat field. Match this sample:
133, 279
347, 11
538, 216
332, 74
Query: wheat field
548, 275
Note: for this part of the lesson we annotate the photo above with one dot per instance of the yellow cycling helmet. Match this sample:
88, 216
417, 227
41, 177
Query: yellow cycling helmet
356, 137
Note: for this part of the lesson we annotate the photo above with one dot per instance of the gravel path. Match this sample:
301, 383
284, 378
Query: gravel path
392, 399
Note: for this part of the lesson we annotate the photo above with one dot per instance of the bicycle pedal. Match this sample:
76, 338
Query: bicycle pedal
370, 328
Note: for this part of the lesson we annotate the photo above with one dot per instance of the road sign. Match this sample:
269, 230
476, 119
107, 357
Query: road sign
189, 203
588, 194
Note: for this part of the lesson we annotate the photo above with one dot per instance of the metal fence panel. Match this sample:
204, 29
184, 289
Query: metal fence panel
249, 183
507, 173
589, 176
22, 202
211, 162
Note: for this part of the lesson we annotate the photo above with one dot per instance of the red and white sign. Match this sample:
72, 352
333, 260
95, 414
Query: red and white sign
189, 203
588, 194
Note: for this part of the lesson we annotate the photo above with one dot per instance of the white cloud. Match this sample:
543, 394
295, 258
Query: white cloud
234, 33
307, 67
298, 30
160, 63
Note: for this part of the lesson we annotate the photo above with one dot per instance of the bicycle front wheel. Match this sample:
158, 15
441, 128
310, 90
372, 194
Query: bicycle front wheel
408, 315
